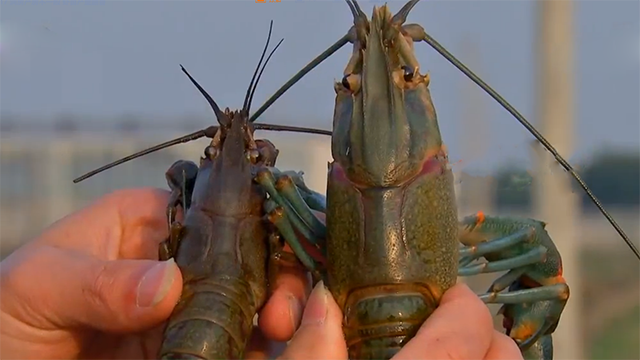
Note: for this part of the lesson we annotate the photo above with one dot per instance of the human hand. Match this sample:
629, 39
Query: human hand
460, 328
90, 286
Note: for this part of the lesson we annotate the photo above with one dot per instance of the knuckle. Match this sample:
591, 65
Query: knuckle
100, 284
133, 194
474, 308
116, 196
101, 296
11, 276
17, 271
453, 352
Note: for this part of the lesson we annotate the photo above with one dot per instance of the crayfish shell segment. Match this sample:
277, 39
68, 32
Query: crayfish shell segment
379, 320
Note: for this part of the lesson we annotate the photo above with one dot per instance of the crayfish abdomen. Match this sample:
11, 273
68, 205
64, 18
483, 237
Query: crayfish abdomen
379, 320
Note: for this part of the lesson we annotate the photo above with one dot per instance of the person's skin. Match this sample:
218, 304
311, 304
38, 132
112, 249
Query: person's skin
89, 287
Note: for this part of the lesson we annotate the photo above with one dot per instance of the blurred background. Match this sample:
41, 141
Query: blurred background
85, 83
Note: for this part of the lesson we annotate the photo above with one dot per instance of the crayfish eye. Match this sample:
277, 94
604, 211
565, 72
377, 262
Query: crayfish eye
210, 152
408, 73
351, 82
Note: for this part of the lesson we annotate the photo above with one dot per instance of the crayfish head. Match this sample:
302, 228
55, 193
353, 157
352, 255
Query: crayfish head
236, 139
385, 126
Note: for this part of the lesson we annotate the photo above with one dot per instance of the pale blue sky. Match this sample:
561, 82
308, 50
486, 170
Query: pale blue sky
121, 57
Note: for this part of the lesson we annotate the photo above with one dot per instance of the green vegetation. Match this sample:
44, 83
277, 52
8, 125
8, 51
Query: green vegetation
612, 176
610, 311
619, 340
513, 187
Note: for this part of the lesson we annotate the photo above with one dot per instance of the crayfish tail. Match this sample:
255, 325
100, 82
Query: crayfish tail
213, 322
380, 320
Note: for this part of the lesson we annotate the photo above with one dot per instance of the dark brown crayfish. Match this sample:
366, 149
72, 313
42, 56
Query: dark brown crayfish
226, 247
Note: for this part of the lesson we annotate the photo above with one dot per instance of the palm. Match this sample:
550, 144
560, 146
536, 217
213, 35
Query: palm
144, 345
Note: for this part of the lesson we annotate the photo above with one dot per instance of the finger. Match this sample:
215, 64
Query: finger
124, 224
262, 348
287, 302
320, 334
281, 315
52, 288
503, 348
460, 328
144, 345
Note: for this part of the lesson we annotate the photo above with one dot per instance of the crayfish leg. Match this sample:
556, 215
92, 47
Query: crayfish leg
506, 280
285, 186
164, 253
293, 205
169, 247
280, 258
181, 177
530, 330
313, 199
277, 217
540, 350
532, 315
172, 206
475, 251
533, 256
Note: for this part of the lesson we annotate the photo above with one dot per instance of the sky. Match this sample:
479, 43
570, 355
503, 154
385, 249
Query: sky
106, 59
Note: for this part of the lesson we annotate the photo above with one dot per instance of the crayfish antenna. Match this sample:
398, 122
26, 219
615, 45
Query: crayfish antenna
222, 118
260, 74
272, 127
401, 16
507, 106
310, 66
208, 132
247, 96
254, 85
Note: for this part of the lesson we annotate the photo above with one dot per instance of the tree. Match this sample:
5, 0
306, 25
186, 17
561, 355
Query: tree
614, 178
513, 187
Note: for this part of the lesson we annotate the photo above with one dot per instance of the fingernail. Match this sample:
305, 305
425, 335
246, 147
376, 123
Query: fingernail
295, 310
155, 284
316, 310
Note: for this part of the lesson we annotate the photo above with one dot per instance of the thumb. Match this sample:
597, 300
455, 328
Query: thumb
460, 328
63, 289
320, 333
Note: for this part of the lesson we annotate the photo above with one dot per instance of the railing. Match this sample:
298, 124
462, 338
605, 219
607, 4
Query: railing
36, 186
36, 176
36, 189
